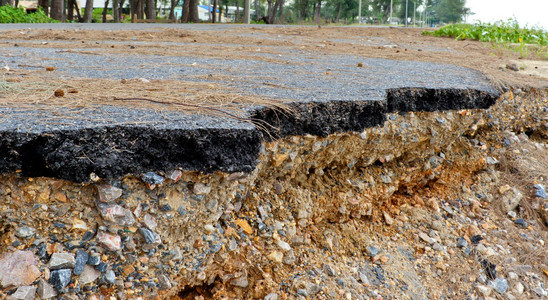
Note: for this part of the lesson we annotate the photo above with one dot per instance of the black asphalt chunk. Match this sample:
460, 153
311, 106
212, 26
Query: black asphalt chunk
325, 94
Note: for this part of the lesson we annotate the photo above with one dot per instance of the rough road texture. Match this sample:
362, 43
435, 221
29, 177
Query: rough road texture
324, 95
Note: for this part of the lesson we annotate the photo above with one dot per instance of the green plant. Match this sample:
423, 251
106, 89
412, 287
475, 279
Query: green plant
9, 14
505, 33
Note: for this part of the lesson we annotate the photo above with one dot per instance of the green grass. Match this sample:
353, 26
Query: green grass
501, 33
10, 14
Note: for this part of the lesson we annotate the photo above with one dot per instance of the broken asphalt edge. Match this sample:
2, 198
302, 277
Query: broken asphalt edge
115, 151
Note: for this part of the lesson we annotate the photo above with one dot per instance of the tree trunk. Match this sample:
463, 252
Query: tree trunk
318, 11
140, 9
77, 8
57, 11
88, 12
339, 8
105, 9
190, 12
257, 10
44, 4
174, 4
70, 9
220, 12
115, 11
214, 12
150, 10
280, 14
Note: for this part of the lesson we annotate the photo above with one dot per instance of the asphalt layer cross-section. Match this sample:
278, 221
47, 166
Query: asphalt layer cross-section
114, 141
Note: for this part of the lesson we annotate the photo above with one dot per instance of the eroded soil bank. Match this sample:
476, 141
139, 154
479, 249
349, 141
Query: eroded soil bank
428, 205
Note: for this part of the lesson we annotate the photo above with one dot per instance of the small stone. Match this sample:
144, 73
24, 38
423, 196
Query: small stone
462, 243
283, 245
102, 267
25, 232
25, 292
174, 175
110, 277
109, 241
289, 258
271, 296
152, 178
128, 269
108, 193
329, 270
512, 214
61, 261
512, 66
94, 260
150, 237
387, 218
240, 281
519, 288
492, 160
244, 225
521, 222
90, 274
500, 285
364, 278
209, 228
18, 268
426, 238
45, 290
372, 251
540, 191
165, 283
484, 290
510, 198
540, 291
150, 222
116, 214
60, 278
276, 256
201, 189
81, 260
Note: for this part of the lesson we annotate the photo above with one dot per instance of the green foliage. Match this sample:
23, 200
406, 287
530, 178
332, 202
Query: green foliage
498, 33
9, 14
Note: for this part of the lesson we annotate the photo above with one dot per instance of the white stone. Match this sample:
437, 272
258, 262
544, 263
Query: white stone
90, 274
61, 261
283, 245
201, 189
25, 292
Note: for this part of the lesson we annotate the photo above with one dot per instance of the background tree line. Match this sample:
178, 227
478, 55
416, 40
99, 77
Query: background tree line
269, 11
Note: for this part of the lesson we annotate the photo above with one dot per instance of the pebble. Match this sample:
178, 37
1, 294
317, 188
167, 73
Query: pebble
201, 189
89, 274
283, 245
500, 285
492, 160
426, 238
45, 290
102, 267
165, 283
240, 281
108, 193
372, 251
540, 291
60, 278
25, 232
462, 243
110, 277
81, 260
18, 268
484, 290
94, 260
302, 292
329, 270
271, 296
25, 292
152, 178
150, 237
519, 288
540, 191
109, 241
511, 199
521, 222
174, 175
61, 261
276, 256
